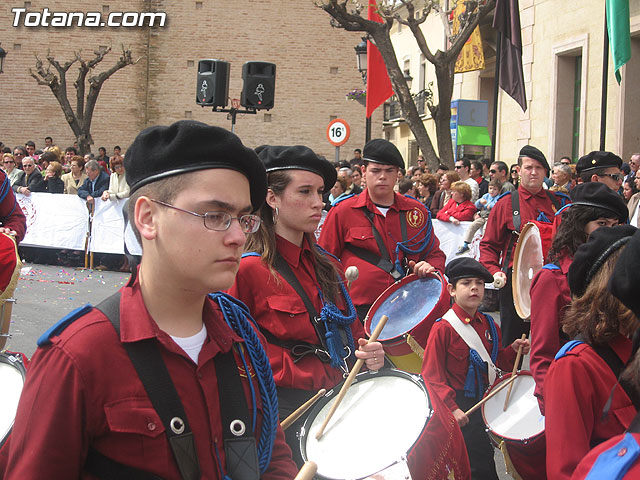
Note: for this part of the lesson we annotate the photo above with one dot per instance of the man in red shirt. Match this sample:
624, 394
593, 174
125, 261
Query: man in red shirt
510, 214
379, 231
92, 403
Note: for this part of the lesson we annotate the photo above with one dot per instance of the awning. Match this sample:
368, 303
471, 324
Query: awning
468, 135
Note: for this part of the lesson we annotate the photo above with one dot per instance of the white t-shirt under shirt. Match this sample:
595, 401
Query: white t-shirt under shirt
193, 344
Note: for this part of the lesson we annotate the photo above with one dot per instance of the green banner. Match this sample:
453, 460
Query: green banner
619, 33
468, 135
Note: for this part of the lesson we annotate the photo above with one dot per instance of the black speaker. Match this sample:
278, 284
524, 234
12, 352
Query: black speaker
259, 87
213, 83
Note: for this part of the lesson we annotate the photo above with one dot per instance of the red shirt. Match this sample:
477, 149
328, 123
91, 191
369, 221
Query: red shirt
576, 388
550, 295
277, 308
346, 224
583, 469
499, 227
11, 215
446, 356
82, 391
460, 211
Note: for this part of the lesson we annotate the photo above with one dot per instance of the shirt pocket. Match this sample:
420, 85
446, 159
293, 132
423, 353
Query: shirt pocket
360, 236
290, 319
136, 428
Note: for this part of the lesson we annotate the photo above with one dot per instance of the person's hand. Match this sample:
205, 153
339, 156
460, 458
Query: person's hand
421, 269
460, 417
455, 221
525, 345
483, 201
372, 354
24, 191
8, 231
476, 216
105, 196
89, 199
499, 279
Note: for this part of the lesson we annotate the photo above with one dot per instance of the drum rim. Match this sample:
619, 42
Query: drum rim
506, 376
516, 254
398, 339
394, 372
18, 365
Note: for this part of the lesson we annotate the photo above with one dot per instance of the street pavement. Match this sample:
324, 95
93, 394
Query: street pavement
46, 293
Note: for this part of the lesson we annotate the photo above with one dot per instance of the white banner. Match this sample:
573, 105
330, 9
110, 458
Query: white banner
107, 230
452, 237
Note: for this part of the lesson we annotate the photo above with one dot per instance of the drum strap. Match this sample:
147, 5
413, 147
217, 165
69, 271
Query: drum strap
382, 261
469, 335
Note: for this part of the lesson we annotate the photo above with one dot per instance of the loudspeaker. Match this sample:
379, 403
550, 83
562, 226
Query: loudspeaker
213, 83
259, 87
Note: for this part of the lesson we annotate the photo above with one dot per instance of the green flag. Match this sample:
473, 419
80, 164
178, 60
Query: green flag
619, 33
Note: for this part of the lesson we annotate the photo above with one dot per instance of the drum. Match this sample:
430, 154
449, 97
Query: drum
413, 305
391, 401
531, 251
518, 431
12, 373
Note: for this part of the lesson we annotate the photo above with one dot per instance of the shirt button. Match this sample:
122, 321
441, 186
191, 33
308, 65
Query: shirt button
151, 426
291, 315
199, 375
622, 452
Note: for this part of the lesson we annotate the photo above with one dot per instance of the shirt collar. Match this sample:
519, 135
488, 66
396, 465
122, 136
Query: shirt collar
464, 316
526, 194
290, 251
400, 202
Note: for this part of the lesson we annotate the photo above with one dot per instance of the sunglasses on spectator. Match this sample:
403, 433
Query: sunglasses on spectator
458, 166
493, 171
18, 154
28, 165
615, 176
7, 161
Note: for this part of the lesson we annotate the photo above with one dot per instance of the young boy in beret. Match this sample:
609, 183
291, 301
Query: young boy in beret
96, 404
460, 371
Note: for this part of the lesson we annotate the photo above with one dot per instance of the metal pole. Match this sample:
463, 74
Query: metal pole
337, 154
605, 76
233, 120
496, 91
367, 129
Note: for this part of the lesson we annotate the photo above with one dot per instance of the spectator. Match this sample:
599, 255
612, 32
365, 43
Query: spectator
634, 163
476, 174
566, 161
422, 163
45, 160
500, 171
357, 176
76, 177
53, 182
442, 196
31, 149
338, 190
102, 155
407, 188
484, 206
32, 180
629, 189
514, 174
561, 177
96, 183
69, 152
18, 154
117, 151
48, 142
118, 186
459, 208
463, 168
9, 165
427, 188
347, 173
442, 169
486, 167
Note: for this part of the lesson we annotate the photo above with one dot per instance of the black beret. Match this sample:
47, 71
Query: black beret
532, 152
186, 146
590, 256
598, 159
599, 195
624, 282
297, 157
466, 267
382, 151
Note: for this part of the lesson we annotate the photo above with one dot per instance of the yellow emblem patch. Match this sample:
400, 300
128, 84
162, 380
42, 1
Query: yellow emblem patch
415, 218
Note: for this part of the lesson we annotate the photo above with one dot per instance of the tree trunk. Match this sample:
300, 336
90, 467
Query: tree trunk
442, 118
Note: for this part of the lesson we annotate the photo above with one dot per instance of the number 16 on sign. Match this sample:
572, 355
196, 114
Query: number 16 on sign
338, 133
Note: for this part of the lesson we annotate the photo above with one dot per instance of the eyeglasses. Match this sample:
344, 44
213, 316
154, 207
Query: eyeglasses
18, 154
493, 171
27, 165
618, 177
458, 167
221, 221
7, 161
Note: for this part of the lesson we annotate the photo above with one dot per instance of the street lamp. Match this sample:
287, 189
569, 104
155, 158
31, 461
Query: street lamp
408, 78
361, 59
3, 53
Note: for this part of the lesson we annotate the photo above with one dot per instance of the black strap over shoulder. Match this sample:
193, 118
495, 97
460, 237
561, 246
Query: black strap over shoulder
147, 360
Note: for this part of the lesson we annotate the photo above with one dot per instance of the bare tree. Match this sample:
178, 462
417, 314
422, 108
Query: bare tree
347, 14
80, 119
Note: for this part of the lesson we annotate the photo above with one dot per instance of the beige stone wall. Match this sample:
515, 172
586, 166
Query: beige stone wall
316, 67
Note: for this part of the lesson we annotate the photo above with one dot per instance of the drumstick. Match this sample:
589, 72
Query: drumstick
286, 423
491, 394
515, 369
351, 274
351, 377
307, 471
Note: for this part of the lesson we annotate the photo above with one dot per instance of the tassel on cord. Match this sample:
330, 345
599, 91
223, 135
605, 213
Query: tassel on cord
237, 316
334, 321
474, 384
413, 246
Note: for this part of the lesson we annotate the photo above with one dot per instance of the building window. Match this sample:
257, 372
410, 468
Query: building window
198, 5
333, 70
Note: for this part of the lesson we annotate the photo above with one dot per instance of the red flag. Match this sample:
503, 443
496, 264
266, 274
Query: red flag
379, 86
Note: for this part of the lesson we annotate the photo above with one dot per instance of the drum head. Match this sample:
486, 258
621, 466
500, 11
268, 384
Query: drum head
527, 261
522, 420
379, 420
11, 382
406, 303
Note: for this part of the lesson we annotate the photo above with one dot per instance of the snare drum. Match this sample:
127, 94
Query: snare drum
393, 402
518, 431
413, 305
12, 373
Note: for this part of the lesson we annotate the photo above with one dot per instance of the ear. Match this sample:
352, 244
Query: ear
594, 178
451, 289
272, 199
145, 218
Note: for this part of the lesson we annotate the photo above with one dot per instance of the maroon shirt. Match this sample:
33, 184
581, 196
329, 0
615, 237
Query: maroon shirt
460, 211
446, 356
576, 389
347, 224
550, 295
497, 231
277, 308
584, 467
82, 391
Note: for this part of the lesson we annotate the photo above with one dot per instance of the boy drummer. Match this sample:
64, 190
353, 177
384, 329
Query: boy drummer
461, 355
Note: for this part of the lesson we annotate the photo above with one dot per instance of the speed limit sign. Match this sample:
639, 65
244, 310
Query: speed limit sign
338, 132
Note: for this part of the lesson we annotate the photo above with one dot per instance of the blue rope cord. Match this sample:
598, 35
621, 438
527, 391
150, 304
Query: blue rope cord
414, 246
237, 316
334, 320
222, 474
474, 383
